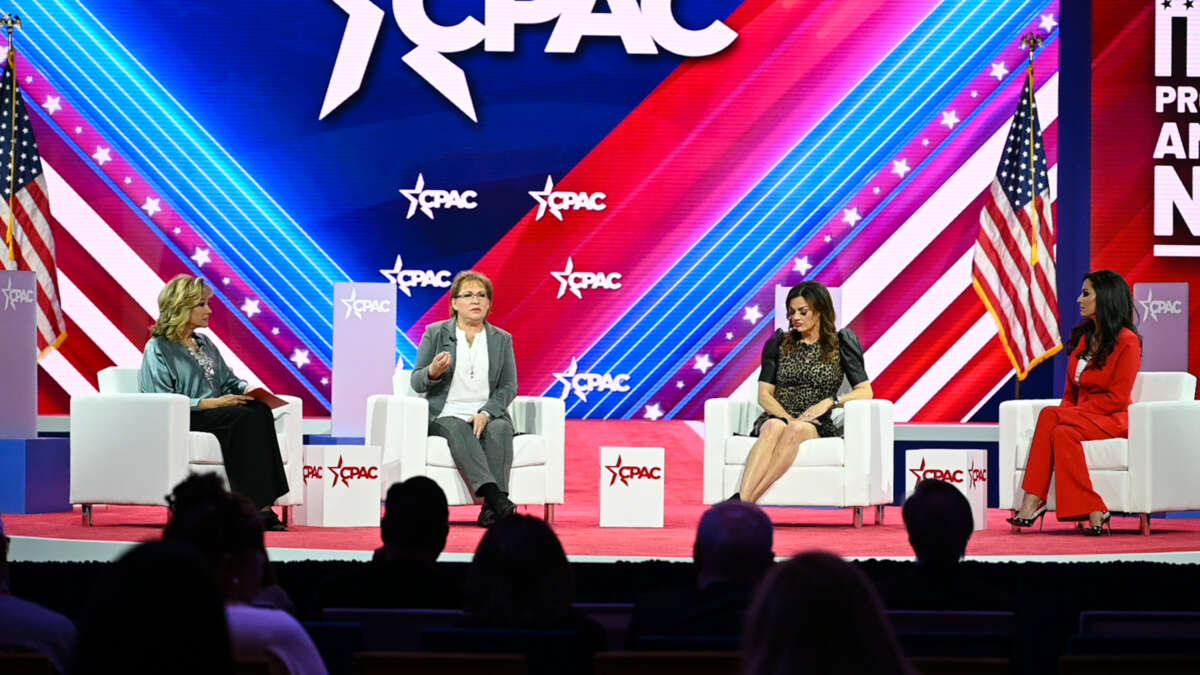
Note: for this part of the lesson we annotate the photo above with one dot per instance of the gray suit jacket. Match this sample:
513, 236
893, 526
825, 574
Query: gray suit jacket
502, 368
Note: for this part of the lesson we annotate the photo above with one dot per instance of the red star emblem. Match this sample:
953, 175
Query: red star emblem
337, 471
615, 470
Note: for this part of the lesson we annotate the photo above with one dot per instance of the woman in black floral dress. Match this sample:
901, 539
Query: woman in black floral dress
802, 370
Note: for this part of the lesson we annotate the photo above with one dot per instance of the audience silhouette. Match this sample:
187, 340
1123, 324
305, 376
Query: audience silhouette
817, 613
732, 553
25, 625
156, 610
227, 530
403, 574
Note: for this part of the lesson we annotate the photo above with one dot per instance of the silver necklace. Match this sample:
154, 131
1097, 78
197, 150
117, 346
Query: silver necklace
471, 354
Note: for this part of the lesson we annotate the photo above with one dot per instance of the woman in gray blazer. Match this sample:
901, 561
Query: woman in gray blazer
467, 371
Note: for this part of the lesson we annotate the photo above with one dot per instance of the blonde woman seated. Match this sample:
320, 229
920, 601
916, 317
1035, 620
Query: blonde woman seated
178, 360
802, 370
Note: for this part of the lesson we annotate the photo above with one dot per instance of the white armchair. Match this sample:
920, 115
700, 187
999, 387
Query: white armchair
854, 471
1156, 469
133, 448
399, 425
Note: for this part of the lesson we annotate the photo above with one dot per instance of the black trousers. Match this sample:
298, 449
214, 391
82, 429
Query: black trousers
249, 448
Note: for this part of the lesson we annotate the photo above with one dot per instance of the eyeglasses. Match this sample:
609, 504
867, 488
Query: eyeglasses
468, 296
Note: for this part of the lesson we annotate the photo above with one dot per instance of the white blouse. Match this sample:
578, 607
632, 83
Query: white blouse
469, 389
1083, 361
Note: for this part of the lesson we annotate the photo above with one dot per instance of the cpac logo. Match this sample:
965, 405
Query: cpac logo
585, 383
972, 474
642, 30
408, 279
627, 473
349, 473
428, 200
15, 296
356, 305
313, 472
576, 282
1152, 307
557, 201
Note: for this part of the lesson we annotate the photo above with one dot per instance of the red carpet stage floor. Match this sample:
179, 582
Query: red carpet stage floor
62, 536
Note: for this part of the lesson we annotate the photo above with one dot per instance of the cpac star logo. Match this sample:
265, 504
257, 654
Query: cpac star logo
628, 472
15, 296
585, 383
977, 475
642, 30
577, 282
428, 200
557, 201
356, 305
407, 279
1152, 308
349, 473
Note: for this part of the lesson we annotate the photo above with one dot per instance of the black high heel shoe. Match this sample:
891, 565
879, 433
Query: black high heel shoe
1097, 530
1038, 516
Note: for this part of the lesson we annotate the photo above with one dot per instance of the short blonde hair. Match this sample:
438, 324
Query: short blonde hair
462, 278
175, 304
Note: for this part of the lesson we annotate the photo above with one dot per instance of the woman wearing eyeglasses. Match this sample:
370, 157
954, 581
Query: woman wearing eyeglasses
468, 372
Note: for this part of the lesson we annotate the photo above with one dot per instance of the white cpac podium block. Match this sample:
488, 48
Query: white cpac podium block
364, 351
341, 486
964, 469
632, 484
18, 354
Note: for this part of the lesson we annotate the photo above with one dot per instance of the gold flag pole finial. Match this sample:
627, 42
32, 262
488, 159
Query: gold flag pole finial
10, 22
1030, 42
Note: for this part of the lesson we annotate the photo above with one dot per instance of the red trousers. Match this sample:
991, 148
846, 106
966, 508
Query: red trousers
1058, 448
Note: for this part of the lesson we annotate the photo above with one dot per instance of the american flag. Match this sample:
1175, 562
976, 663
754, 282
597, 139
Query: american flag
1013, 270
29, 238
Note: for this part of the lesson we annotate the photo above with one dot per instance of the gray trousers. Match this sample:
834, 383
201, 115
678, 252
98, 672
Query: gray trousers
482, 460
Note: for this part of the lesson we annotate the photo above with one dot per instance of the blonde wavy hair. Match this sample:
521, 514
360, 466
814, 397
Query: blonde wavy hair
462, 278
175, 304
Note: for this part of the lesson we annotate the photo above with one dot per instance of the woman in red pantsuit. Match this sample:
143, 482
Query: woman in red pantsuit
1106, 354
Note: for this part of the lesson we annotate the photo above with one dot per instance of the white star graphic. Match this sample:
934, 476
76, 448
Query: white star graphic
998, 71
850, 216
349, 303
542, 197
225, 280
78, 130
28, 79
901, 167
1047, 23
102, 155
828, 238
414, 199
176, 231
679, 384
875, 190
566, 377
653, 412
299, 357
925, 141
128, 180
250, 308
151, 206
564, 277
53, 104
752, 314
324, 380
801, 265
201, 256
392, 276
1146, 306
275, 330
974, 93
703, 363
949, 119
729, 335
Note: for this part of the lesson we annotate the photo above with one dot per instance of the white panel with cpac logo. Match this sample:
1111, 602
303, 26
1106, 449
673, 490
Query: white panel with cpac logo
632, 484
964, 469
341, 486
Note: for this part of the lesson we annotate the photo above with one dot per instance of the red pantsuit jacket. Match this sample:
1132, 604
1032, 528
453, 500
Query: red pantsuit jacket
1103, 394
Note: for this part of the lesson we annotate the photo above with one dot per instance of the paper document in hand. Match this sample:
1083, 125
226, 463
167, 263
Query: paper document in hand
260, 394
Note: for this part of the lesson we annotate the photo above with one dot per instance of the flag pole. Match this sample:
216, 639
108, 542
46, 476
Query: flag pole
1030, 43
10, 22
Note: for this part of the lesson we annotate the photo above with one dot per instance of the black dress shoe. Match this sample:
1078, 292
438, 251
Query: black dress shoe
271, 522
505, 508
487, 516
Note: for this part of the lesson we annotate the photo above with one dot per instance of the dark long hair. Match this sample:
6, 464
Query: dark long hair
1114, 311
819, 300
817, 613
519, 577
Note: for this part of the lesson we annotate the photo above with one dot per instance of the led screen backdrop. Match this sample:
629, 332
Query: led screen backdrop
1145, 162
637, 182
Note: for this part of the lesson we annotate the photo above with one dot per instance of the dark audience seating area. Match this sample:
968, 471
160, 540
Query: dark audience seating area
1093, 618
